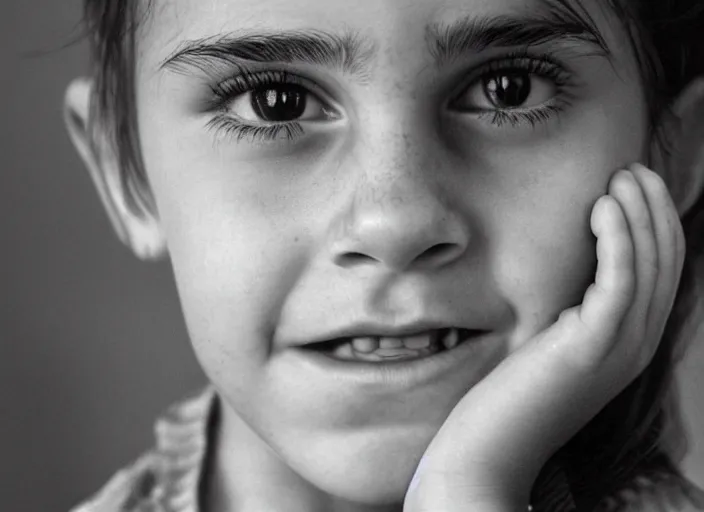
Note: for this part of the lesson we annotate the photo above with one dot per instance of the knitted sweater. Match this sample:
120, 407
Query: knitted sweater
167, 478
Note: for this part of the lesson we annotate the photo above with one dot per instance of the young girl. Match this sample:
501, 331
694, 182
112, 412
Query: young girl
431, 255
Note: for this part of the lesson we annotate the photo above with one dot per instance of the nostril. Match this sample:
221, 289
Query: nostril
353, 258
440, 248
439, 252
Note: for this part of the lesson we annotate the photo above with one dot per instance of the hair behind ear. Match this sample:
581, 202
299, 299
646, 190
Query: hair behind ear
683, 164
685, 174
139, 231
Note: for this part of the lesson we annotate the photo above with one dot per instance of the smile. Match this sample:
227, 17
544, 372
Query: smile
397, 364
384, 349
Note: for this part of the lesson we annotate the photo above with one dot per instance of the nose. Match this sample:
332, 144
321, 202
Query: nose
401, 217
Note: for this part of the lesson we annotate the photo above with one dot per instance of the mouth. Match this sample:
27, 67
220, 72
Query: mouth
386, 349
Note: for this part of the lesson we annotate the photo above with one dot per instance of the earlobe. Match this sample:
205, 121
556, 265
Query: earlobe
142, 233
685, 164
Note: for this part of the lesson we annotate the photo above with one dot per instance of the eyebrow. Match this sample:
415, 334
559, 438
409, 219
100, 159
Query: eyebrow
473, 35
354, 55
349, 52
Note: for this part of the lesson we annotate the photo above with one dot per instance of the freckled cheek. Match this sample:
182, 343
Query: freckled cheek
230, 257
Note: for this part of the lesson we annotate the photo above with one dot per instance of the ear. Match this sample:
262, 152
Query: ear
142, 231
684, 129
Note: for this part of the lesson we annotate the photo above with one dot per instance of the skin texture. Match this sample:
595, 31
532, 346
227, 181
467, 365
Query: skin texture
278, 241
564, 375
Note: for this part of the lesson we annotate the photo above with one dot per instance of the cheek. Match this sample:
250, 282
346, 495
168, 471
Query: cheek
543, 262
543, 253
231, 260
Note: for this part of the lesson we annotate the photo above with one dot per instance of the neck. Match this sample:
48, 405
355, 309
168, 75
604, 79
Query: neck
246, 475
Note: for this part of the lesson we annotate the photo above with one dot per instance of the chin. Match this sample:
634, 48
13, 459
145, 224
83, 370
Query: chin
372, 471
363, 483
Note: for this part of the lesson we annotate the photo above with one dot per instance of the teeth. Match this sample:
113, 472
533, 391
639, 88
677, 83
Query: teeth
344, 351
365, 345
374, 348
418, 342
369, 344
396, 353
392, 354
391, 342
451, 339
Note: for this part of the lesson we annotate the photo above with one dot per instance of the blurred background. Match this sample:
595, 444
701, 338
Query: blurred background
92, 343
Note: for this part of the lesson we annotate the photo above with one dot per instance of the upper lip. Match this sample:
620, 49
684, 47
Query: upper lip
381, 330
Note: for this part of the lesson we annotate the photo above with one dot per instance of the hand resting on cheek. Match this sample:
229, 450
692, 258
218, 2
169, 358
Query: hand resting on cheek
489, 451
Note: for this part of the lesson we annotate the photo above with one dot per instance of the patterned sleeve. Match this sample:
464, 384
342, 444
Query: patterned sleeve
132, 489
166, 478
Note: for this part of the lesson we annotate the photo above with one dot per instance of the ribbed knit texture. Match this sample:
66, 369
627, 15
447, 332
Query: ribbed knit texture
167, 478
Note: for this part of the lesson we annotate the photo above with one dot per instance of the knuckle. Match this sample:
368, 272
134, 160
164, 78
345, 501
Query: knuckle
571, 315
592, 344
586, 328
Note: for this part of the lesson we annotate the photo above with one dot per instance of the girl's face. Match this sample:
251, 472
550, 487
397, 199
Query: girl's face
322, 164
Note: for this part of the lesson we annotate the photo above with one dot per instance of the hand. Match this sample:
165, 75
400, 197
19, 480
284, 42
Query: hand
489, 451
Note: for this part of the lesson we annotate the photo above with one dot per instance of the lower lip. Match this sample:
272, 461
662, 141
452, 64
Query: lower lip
475, 351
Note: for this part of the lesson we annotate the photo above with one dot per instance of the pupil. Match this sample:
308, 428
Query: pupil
508, 90
280, 103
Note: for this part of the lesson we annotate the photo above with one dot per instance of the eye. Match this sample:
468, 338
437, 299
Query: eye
267, 106
506, 90
278, 103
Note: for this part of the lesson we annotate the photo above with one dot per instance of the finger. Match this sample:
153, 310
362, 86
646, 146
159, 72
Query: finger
609, 297
626, 189
669, 239
541, 394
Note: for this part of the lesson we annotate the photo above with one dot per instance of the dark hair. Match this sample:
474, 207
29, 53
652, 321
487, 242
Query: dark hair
111, 26
623, 441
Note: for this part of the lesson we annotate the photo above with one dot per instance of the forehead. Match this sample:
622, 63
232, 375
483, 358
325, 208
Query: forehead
387, 25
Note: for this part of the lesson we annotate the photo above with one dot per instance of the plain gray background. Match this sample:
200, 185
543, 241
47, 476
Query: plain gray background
92, 342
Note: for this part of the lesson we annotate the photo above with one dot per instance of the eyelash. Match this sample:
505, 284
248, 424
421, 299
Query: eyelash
543, 66
225, 92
